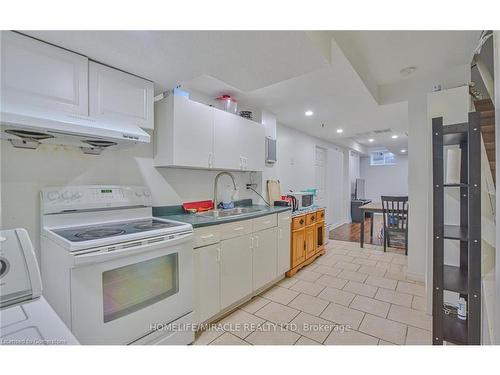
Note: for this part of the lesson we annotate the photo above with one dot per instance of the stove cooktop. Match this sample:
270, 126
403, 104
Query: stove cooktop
107, 230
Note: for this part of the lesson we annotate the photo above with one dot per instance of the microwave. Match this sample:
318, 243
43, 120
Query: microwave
304, 199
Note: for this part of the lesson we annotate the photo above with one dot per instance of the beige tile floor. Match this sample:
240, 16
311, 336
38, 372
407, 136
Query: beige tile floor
349, 296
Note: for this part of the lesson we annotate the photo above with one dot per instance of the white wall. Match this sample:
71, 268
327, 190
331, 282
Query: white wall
25, 172
354, 171
385, 179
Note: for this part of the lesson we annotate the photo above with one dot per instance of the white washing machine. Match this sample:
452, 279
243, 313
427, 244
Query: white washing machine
25, 316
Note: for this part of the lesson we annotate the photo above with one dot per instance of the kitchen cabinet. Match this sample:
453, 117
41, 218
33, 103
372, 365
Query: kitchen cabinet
194, 135
236, 269
207, 281
184, 133
307, 240
39, 78
120, 97
283, 247
264, 257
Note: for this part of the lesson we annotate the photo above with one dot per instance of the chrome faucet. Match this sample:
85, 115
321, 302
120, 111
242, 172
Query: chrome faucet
217, 180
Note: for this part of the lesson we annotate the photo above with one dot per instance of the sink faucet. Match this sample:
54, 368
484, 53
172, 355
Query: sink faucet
217, 180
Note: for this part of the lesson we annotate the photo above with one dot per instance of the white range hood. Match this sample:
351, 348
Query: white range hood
28, 130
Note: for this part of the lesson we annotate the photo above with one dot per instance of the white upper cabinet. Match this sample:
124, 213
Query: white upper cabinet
194, 135
184, 133
238, 143
40, 78
120, 97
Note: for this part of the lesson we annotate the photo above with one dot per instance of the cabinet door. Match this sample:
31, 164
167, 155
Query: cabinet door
264, 257
252, 146
227, 141
284, 251
298, 247
236, 269
118, 96
310, 240
192, 133
207, 282
41, 78
320, 236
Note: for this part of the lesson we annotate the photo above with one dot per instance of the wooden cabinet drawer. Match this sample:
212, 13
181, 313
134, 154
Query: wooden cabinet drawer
206, 236
311, 218
298, 222
235, 229
320, 215
265, 222
284, 219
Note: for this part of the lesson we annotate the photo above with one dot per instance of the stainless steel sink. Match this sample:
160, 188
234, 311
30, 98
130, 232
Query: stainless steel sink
230, 212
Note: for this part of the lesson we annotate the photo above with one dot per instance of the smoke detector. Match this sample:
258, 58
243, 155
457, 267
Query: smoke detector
405, 72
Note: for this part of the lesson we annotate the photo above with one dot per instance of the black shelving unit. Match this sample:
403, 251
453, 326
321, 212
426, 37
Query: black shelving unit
466, 278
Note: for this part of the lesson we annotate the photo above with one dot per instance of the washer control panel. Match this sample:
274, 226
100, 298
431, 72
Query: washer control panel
92, 197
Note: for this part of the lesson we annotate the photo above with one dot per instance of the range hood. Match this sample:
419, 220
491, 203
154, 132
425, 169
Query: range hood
91, 135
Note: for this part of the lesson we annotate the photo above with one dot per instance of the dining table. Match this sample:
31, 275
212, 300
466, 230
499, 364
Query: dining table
368, 209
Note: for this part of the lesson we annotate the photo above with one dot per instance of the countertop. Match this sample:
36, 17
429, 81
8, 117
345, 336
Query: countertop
196, 220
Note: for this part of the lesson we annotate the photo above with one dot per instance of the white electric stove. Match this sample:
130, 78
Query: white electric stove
113, 273
25, 317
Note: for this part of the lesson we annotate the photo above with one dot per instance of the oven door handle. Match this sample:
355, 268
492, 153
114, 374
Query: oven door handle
151, 244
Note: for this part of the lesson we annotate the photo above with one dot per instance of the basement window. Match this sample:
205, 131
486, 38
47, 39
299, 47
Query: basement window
382, 158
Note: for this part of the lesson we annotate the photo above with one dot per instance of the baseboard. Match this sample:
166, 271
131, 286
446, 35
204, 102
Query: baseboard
415, 277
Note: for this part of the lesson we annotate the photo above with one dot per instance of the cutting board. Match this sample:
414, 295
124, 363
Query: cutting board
273, 190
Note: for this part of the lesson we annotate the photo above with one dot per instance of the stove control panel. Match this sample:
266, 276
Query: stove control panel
93, 197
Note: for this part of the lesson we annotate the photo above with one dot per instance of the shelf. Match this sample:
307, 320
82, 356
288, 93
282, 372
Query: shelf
456, 185
455, 232
455, 279
454, 330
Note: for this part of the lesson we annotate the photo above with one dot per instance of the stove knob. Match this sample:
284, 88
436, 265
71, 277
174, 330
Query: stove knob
147, 193
138, 193
66, 195
77, 195
53, 195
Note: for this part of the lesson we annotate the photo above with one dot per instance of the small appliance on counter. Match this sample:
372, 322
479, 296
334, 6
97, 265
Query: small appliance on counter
304, 199
26, 317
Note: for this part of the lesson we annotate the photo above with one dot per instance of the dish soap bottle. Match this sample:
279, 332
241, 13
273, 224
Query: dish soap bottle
462, 308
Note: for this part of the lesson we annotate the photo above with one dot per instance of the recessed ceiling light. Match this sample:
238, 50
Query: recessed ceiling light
395, 136
340, 131
403, 151
371, 140
309, 113
405, 72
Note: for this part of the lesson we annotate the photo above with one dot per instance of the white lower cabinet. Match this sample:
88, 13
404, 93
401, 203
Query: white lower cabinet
207, 281
264, 257
235, 269
283, 245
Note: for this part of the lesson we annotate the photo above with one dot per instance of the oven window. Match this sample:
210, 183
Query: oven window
133, 287
307, 200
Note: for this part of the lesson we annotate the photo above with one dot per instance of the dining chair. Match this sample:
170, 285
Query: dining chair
395, 213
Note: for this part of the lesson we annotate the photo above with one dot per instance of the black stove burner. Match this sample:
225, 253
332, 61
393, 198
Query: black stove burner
99, 233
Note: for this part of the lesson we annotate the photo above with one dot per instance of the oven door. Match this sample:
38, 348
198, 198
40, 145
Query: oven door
118, 296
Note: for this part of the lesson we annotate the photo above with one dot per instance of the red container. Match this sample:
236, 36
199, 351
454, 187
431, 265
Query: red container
199, 206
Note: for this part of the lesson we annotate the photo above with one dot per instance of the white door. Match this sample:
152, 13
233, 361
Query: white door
283, 253
39, 78
207, 282
235, 269
117, 295
118, 96
320, 176
227, 141
264, 257
252, 144
193, 133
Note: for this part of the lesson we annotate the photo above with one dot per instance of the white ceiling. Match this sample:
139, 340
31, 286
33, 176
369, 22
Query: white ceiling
285, 72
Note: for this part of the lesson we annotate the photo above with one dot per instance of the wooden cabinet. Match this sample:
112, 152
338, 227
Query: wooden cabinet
194, 135
307, 239
120, 97
207, 281
236, 269
283, 247
264, 257
39, 78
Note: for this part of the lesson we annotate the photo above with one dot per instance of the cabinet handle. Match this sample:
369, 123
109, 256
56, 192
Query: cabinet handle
267, 222
256, 241
207, 236
280, 233
210, 159
301, 221
218, 254
304, 246
251, 242
238, 229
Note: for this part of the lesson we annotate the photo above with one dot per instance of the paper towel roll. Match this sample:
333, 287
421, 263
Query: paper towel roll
453, 157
